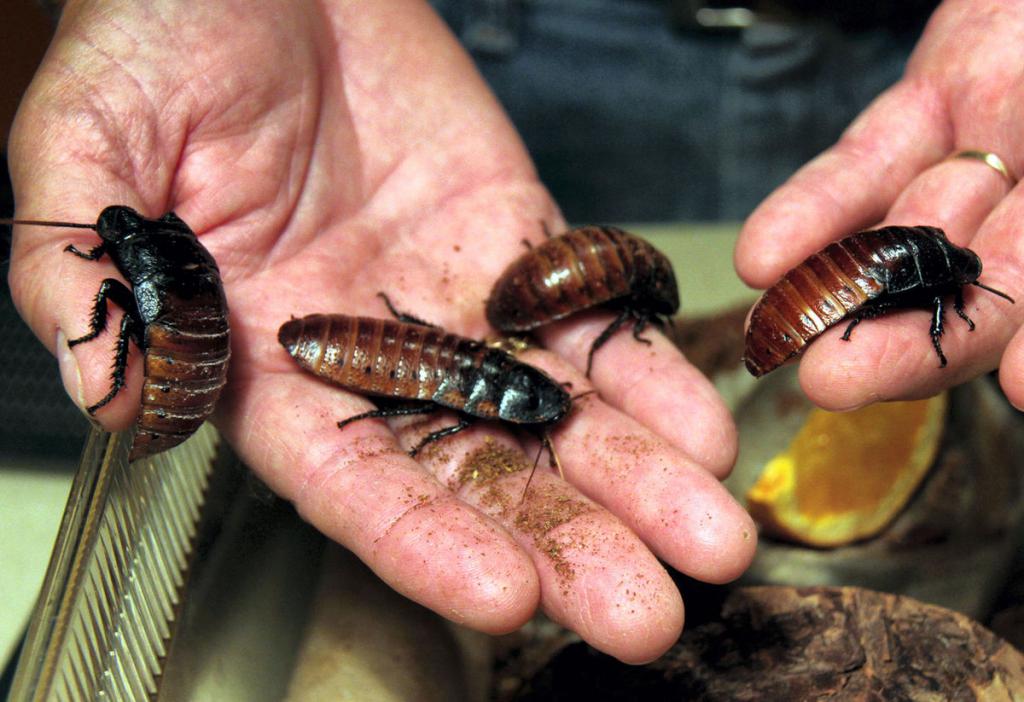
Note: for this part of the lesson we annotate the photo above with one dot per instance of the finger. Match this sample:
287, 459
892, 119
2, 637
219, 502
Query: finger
679, 509
55, 292
359, 488
654, 384
956, 195
893, 358
596, 576
1011, 370
848, 187
1001, 250
67, 170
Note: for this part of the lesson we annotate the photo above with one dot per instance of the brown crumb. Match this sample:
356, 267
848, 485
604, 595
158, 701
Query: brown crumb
544, 511
368, 449
637, 446
489, 462
436, 453
541, 510
496, 500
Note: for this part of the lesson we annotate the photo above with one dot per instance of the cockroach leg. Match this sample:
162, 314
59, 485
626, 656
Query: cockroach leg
92, 254
406, 410
849, 328
604, 336
400, 411
958, 306
130, 331
109, 289
639, 326
404, 316
463, 423
938, 328
864, 313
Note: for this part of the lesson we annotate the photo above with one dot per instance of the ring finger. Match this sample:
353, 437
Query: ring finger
956, 194
893, 357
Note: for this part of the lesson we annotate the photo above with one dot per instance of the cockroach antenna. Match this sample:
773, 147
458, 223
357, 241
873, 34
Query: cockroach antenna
545, 443
10, 222
46, 223
1000, 293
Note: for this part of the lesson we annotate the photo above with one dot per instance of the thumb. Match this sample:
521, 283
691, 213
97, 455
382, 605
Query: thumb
54, 291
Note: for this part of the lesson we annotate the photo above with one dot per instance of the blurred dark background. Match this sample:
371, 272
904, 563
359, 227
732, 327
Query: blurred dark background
646, 111
38, 421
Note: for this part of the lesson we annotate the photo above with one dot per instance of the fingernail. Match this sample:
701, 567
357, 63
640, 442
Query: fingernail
70, 373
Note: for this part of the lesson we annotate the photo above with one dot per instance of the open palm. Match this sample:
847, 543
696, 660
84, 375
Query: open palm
324, 155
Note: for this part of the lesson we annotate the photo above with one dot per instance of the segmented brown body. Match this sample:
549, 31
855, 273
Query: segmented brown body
582, 268
809, 299
861, 276
382, 357
185, 370
396, 359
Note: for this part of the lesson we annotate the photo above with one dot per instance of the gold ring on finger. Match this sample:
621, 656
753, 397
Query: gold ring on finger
991, 160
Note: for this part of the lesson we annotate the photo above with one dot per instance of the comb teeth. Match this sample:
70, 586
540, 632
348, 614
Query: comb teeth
108, 604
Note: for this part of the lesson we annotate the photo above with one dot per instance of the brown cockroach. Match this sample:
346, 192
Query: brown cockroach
408, 359
175, 312
862, 276
583, 268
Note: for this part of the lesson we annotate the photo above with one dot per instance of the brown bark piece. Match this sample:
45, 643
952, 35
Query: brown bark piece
782, 643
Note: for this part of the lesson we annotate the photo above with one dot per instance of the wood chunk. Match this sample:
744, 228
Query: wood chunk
783, 643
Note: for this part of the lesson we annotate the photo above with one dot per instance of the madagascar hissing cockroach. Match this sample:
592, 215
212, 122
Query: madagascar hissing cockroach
175, 312
583, 268
409, 360
859, 277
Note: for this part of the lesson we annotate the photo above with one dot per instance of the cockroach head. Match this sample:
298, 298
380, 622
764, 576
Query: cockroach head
530, 396
966, 265
967, 268
118, 222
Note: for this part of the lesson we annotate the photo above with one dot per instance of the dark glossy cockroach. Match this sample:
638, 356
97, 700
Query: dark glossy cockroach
175, 312
410, 360
583, 268
859, 277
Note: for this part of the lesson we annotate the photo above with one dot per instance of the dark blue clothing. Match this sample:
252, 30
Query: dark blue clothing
629, 118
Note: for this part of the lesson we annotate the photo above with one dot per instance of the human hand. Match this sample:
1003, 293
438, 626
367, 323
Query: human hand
962, 90
324, 154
